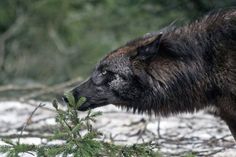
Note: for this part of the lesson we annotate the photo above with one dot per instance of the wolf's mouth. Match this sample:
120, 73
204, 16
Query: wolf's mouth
86, 106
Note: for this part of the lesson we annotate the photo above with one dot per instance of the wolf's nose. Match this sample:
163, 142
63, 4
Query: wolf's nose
64, 99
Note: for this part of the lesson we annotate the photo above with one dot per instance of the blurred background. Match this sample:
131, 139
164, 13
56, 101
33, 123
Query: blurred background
49, 46
51, 41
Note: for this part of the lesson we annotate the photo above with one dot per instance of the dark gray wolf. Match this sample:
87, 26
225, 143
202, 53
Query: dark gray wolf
183, 69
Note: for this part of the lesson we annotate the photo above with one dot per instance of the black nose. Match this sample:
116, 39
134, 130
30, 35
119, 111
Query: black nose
64, 99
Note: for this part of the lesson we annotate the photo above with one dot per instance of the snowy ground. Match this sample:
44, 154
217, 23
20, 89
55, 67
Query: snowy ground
200, 133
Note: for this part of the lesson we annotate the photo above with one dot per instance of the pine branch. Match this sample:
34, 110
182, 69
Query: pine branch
74, 143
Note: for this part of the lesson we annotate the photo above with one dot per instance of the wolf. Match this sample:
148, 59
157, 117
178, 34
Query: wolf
176, 70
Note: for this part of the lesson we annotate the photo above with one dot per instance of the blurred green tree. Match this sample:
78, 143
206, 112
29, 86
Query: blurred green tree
50, 41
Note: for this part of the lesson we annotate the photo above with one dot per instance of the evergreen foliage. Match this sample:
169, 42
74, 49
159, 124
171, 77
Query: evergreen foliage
73, 142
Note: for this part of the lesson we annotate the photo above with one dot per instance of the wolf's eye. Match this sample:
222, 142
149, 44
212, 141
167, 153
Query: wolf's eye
104, 72
147, 49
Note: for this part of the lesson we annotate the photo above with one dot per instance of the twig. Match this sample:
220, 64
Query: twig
11, 87
29, 119
52, 89
13, 136
8, 34
27, 102
158, 127
60, 45
218, 151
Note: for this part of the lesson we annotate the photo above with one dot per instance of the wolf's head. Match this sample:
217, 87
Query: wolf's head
119, 78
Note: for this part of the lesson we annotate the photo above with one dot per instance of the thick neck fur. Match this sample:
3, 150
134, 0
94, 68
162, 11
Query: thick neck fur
191, 71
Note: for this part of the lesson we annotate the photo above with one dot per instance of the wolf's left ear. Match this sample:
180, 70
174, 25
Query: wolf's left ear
149, 50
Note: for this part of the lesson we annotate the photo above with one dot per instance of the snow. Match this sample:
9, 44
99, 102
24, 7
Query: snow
198, 132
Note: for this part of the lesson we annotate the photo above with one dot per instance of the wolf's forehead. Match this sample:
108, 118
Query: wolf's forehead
132, 46
120, 52
117, 64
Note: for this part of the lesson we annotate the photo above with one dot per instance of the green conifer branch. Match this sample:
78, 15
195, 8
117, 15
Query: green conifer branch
73, 143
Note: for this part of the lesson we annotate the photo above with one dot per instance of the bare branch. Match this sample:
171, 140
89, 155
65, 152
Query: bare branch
14, 136
53, 89
13, 29
29, 119
57, 40
11, 87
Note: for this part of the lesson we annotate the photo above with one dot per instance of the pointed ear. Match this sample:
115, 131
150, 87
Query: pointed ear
149, 50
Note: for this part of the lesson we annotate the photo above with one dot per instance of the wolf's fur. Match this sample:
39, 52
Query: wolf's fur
182, 69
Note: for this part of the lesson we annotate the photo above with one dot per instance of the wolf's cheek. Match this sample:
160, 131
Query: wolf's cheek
118, 83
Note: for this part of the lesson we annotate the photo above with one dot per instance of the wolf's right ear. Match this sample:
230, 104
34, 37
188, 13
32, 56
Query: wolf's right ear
148, 51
